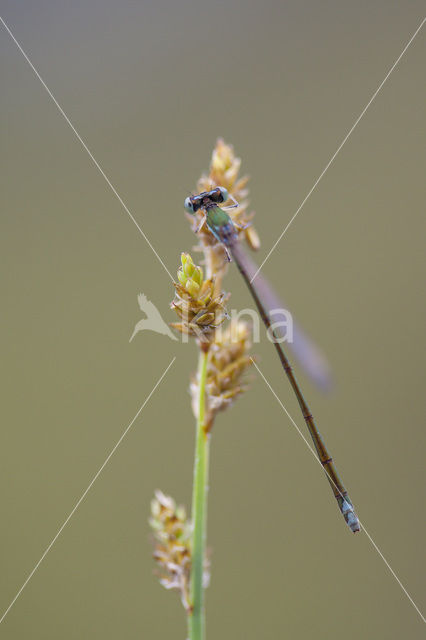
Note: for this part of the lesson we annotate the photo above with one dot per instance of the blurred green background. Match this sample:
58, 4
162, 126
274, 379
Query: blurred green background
150, 86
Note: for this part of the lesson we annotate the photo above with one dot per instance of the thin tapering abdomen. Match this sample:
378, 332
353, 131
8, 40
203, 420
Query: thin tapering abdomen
339, 491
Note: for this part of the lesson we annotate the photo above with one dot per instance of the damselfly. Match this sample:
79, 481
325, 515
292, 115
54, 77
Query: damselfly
224, 230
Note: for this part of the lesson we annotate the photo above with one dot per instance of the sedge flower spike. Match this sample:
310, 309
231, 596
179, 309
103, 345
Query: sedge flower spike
172, 546
201, 311
228, 361
224, 172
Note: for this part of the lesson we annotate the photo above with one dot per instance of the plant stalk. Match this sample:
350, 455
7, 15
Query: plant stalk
196, 618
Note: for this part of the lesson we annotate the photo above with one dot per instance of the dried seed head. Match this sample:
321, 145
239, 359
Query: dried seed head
228, 361
172, 548
224, 169
200, 311
172, 544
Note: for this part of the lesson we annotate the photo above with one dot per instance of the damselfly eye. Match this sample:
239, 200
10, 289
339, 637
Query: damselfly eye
224, 193
189, 205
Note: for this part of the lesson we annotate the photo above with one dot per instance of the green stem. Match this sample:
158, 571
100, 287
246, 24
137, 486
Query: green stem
196, 619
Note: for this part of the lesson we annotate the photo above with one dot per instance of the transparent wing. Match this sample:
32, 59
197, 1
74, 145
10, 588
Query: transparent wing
306, 352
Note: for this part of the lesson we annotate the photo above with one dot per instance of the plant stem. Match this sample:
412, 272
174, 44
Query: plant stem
196, 620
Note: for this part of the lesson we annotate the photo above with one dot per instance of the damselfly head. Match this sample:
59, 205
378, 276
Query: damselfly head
218, 195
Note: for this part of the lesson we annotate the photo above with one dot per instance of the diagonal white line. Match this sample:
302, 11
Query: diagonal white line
84, 145
84, 494
361, 523
341, 145
393, 573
